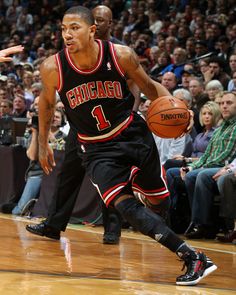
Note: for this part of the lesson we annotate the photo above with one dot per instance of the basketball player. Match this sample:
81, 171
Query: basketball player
118, 150
4, 54
72, 173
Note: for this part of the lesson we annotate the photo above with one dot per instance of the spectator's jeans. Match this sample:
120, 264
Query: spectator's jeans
201, 189
31, 191
227, 188
171, 175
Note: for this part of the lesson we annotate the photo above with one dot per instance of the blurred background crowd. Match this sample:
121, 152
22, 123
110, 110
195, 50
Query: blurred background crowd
170, 37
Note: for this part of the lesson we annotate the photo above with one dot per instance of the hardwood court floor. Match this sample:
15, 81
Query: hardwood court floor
80, 264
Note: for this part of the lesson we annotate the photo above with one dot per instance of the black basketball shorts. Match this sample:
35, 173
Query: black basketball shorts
127, 163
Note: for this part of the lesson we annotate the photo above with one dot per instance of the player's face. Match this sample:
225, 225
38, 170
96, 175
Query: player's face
76, 33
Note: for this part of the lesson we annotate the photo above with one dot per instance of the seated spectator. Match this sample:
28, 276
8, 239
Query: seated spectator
187, 74
216, 72
65, 128
232, 62
232, 83
169, 80
220, 150
224, 49
6, 108
184, 95
162, 61
33, 177
56, 136
36, 89
226, 183
34, 172
19, 107
209, 116
3, 93
196, 89
143, 106
177, 66
27, 83
200, 48
212, 88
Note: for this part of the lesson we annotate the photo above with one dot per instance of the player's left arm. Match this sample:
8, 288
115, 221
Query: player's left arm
130, 64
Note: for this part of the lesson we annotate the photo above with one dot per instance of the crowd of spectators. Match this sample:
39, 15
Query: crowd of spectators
183, 44
168, 36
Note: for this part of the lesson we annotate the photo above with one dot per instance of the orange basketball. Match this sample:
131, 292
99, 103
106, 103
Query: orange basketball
168, 117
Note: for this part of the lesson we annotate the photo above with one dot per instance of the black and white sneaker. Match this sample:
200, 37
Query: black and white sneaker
198, 267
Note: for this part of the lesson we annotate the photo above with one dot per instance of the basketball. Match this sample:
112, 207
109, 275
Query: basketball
168, 117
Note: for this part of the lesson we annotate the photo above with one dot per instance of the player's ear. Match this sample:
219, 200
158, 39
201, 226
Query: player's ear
92, 30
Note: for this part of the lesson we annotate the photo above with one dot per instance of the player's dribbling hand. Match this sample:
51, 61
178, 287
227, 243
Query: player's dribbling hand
46, 159
190, 125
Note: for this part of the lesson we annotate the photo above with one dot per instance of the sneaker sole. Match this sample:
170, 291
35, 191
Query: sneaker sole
208, 271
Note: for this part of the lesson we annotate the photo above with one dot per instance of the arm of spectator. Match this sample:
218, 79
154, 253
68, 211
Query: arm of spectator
178, 157
4, 54
32, 151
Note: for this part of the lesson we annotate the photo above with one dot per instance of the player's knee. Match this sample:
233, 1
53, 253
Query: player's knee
139, 217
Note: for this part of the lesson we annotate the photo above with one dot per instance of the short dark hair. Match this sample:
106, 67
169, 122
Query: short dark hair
84, 12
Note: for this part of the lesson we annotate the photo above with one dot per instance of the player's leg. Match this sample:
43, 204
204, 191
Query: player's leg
112, 225
152, 225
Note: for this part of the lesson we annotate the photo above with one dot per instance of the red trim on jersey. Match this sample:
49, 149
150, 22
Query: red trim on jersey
60, 76
105, 137
96, 66
115, 59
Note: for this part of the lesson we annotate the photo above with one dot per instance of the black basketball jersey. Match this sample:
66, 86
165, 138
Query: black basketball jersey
97, 101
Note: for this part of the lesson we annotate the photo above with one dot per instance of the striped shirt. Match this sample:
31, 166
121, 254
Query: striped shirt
221, 149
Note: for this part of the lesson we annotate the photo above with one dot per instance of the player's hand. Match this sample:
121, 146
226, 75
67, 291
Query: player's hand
190, 125
191, 121
4, 54
46, 158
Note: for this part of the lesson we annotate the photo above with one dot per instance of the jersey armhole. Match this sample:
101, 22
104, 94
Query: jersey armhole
60, 80
115, 60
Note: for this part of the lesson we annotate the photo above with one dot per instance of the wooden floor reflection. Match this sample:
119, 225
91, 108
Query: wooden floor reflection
80, 264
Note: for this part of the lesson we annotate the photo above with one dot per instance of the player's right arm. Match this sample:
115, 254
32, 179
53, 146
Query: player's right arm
47, 102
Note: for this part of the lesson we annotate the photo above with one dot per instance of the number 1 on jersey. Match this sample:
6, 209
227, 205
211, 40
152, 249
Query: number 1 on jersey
102, 122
